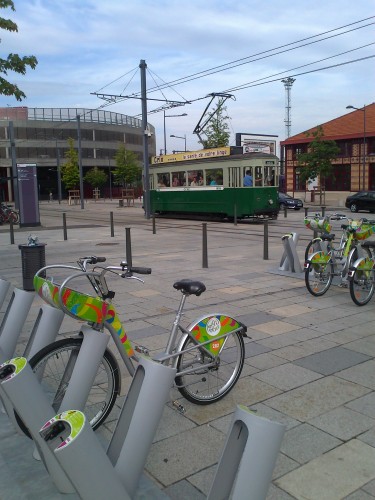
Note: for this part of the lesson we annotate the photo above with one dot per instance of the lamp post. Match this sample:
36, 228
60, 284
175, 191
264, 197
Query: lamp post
364, 142
165, 135
179, 137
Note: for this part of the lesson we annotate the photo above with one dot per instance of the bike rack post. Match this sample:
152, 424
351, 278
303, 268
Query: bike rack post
45, 329
71, 439
22, 389
289, 260
248, 459
139, 419
13, 321
65, 232
153, 224
204, 246
112, 225
128, 247
85, 368
265, 240
4, 287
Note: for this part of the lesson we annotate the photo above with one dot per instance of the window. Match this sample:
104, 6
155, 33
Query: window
214, 177
339, 180
178, 179
163, 179
195, 177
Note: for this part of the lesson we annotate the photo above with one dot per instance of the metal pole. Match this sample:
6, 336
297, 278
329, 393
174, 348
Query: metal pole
235, 214
364, 148
11, 232
64, 227
153, 224
204, 246
112, 227
14, 165
128, 247
80, 162
306, 211
146, 190
165, 137
58, 174
110, 178
265, 239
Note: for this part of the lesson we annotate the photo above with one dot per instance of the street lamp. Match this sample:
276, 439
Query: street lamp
165, 135
364, 141
179, 137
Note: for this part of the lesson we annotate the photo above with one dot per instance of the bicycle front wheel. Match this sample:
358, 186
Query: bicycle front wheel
312, 247
318, 278
362, 287
204, 379
52, 365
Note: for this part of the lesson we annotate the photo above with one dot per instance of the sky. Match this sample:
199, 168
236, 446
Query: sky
90, 46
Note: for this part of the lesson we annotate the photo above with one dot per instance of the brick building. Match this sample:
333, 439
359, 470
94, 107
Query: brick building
353, 168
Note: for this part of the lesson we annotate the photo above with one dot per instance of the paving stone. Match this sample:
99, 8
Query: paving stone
275, 493
331, 360
365, 345
316, 398
265, 361
203, 479
183, 489
368, 437
343, 423
334, 475
370, 488
363, 374
304, 442
287, 376
276, 327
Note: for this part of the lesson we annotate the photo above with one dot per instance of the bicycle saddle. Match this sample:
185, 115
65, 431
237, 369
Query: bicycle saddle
327, 237
190, 287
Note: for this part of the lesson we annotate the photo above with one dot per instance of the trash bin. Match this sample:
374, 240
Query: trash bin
33, 258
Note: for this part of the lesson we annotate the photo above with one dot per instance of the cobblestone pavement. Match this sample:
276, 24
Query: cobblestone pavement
309, 361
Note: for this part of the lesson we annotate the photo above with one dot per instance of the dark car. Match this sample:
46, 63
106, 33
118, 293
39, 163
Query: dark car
287, 201
364, 200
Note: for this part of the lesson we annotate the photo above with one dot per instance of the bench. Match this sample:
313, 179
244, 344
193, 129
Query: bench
73, 196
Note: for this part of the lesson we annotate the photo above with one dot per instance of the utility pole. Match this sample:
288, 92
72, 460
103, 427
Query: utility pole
80, 161
146, 180
288, 82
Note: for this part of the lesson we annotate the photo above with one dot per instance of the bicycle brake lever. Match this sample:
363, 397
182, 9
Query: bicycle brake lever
130, 277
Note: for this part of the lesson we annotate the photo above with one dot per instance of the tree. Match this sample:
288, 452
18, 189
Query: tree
96, 177
217, 131
70, 169
13, 62
317, 162
128, 169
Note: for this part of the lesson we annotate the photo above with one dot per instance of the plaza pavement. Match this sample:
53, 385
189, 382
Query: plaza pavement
309, 361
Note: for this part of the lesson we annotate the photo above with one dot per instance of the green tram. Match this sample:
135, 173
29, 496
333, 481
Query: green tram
205, 183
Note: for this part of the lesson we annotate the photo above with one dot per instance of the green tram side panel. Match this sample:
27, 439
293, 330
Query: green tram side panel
249, 201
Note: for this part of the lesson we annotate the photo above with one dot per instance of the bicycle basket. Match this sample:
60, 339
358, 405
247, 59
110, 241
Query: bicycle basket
320, 225
362, 232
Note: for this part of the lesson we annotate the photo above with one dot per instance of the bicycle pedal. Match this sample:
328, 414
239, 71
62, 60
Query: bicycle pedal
142, 350
179, 407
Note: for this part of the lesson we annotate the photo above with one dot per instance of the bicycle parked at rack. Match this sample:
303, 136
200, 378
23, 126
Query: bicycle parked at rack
324, 265
321, 225
361, 276
7, 214
208, 353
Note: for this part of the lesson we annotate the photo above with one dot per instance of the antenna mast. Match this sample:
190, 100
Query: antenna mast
288, 82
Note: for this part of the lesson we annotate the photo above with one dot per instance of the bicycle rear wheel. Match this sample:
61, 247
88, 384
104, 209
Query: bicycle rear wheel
50, 366
362, 287
318, 278
209, 378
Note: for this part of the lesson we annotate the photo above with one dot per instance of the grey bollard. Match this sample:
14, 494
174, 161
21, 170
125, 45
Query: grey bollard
21, 388
45, 329
139, 419
76, 448
4, 287
290, 260
13, 321
248, 459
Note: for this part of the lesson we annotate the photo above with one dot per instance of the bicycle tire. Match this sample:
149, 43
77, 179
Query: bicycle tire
362, 287
50, 362
318, 278
205, 386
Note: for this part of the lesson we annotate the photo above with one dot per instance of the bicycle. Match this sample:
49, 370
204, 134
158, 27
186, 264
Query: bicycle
361, 277
7, 214
322, 225
208, 354
322, 266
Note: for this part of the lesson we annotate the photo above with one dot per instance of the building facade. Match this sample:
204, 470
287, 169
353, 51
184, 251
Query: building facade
40, 137
353, 168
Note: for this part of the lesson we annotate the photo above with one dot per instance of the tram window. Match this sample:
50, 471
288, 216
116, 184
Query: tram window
248, 169
178, 179
195, 177
163, 179
258, 179
214, 177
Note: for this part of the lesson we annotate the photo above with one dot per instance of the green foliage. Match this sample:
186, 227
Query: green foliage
70, 169
13, 62
96, 177
217, 131
127, 169
317, 162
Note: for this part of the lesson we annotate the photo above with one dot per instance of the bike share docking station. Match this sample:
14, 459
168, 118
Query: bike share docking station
290, 260
4, 287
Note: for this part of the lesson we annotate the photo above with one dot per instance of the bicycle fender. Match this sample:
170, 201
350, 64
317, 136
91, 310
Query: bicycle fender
213, 327
319, 258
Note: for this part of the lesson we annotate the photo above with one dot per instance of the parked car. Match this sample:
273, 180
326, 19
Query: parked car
289, 202
363, 200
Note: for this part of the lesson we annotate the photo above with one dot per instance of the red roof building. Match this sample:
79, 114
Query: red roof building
354, 167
